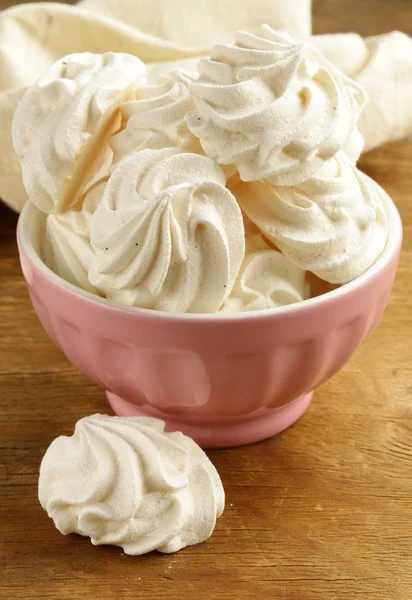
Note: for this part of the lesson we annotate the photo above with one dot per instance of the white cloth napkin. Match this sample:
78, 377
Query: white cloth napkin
382, 64
203, 23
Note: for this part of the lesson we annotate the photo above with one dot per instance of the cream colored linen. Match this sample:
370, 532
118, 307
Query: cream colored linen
382, 64
11, 183
194, 23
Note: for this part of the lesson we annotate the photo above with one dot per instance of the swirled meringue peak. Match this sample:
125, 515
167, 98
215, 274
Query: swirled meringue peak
333, 225
168, 234
275, 108
156, 118
124, 481
267, 278
62, 125
66, 246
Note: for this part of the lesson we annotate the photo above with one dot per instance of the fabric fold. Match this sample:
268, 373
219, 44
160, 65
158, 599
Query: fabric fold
205, 22
382, 65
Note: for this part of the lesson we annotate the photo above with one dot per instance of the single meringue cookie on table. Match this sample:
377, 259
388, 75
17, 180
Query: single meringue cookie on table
62, 124
273, 107
66, 245
267, 278
168, 234
124, 481
333, 224
156, 117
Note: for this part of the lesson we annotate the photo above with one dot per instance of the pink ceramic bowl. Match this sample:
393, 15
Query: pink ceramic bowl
225, 380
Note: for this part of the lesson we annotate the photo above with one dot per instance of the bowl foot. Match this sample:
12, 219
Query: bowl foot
216, 434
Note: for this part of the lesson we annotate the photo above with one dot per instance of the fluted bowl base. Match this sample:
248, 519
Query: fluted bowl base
216, 434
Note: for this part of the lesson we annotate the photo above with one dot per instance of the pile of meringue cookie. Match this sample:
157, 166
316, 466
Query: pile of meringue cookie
201, 192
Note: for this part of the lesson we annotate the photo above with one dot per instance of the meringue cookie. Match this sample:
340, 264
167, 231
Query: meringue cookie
354, 145
333, 225
66, 247
62, 122
275, 108
124, 481
168, 234
156, 119
267, 278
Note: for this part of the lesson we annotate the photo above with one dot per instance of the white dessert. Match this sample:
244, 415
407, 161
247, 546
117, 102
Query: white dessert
333, 224
267, 278
156, 117
354, 145
274, 108
167, 234
144, 182
125, 482
66, 246
61, 126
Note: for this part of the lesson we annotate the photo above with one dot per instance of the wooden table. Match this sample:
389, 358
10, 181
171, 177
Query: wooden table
321, 512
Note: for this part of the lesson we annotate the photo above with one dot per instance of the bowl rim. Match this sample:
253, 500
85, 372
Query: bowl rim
392, 247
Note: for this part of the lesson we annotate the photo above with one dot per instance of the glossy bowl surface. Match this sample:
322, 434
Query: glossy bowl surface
225, 380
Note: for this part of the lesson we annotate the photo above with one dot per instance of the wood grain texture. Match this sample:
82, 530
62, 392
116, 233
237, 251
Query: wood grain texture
320, 512
367, 17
